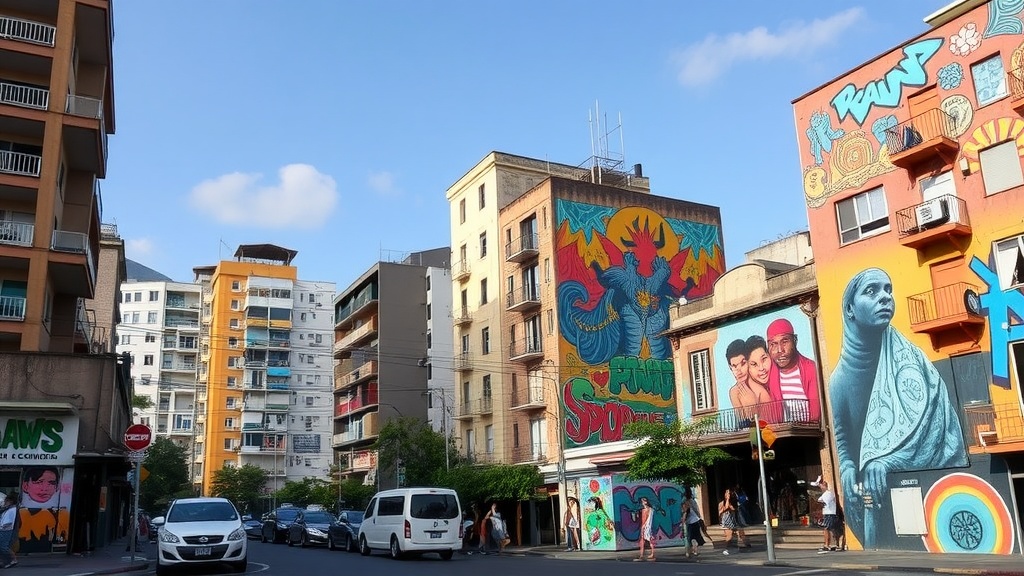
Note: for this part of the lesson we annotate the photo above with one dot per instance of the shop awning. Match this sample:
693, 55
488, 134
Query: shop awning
40, 407
609, 459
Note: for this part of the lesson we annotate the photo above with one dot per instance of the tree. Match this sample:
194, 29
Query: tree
354, 495
167, 464
420, 448
244, 486
482, 484
671, 452
309, 491
142, 402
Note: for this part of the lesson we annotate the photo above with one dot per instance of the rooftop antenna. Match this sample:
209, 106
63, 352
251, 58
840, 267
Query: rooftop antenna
605, 163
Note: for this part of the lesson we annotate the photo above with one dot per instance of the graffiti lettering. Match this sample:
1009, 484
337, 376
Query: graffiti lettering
586, 415
38, 434
1002, 306
664, 498
650, 376
887, 91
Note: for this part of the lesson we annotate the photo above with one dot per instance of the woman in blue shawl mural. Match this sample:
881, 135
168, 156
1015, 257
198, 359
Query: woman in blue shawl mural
890, 407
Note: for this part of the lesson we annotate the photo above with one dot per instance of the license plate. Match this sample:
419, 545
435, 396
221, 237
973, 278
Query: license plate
435, 534
204, 551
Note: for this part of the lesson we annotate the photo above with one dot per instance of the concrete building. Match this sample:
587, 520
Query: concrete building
383, 338
913, 197
57, 295
264, 373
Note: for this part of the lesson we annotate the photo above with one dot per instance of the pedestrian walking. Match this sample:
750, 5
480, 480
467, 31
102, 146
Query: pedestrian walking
571, 521
646, 525
828, 519
693, 521
8, 516
727, 511
497, 528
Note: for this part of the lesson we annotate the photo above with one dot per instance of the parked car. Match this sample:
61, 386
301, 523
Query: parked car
310, 527
253, 528
276, 524
345, 532
412, 521
200, 531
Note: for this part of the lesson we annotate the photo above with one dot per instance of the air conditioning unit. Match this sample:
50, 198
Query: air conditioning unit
932, 213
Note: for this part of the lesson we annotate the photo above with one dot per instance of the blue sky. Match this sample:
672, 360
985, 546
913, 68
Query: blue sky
335, 127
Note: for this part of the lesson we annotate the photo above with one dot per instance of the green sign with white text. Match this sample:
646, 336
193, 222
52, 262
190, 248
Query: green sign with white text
27, 440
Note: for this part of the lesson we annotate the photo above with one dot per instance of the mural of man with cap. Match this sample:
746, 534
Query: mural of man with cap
794, 377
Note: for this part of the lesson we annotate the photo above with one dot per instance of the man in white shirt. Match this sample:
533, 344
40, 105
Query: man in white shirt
828, 521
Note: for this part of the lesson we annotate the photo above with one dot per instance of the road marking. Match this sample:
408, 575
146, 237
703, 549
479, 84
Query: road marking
803, 572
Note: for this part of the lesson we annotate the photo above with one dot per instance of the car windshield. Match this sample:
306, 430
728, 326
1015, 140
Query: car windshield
434, 506
319, 518
354, 517
287, 515
202, 512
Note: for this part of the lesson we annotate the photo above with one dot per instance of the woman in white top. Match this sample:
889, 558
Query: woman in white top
7, 535
692, 520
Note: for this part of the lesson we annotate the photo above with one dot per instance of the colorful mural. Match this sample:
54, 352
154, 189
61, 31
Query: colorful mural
619, 271
611, 512
598, 529
45, 508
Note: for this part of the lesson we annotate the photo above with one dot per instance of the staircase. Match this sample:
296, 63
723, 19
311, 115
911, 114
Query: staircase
788, 536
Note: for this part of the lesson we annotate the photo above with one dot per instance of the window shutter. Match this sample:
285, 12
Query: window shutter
1000, 168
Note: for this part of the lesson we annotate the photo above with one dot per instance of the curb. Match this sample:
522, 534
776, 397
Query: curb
118, 570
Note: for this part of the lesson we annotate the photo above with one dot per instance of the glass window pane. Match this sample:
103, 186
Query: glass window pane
989, 80
847, 215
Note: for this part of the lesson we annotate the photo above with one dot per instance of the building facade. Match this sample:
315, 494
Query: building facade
57, 295
913, 180
383, 372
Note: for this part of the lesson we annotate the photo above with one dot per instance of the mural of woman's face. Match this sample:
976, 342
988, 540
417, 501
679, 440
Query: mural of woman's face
759, 366
738, 365
42, 488
872, 304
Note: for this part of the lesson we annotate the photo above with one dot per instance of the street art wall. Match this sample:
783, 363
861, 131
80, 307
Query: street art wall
611, 512
923, 333
618, 272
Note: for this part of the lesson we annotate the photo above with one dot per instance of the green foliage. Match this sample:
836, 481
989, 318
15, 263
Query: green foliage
482, 484
167, 464
672, 452
141, 402
309, 491
354, 495
243, 486
420, 448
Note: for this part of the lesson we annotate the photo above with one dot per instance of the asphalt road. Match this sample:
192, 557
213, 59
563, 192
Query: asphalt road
281, 560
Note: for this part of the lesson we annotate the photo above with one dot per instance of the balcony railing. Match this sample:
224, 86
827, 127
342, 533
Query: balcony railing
462, 362
522, 248
460, 270
525, 348
90, 108
362, 371
356, 335
27, 31
942, 305
735, 420
537, 452
75, 243
20, 163
993, 424
915, 221
359, 401
17, 233
461, 316
527, 397
24, 96
526, 296
12, 308
921, 129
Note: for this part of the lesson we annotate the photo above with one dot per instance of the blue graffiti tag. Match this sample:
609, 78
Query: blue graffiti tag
666, 500
1002, 307
887, 91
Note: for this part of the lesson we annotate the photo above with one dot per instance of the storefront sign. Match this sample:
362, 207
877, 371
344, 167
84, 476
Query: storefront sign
42, 440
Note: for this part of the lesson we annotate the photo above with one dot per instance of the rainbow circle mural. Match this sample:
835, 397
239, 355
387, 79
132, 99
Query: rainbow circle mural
966, 514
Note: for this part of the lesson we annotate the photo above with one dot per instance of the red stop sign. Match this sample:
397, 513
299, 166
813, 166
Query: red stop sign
138, 437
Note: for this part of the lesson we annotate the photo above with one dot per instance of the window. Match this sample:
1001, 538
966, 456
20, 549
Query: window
151, 318
229, 443
483, 291
154, 296
135, 317
482, 194
863, 215
547, 269
126, 318
233, 323
1010, 262
700, 378
483, 245
232, 382
236, 286
428, 311
989, 80
551, 321
487, 386
465, 393
465, 343
126, 339
229, 422
232, 342
309, 400
515, 434
127, 296
1000, 167
150, 338
462, 211
391, 506
138, 296
428, 283
147, 360
485, 341
489, 438
234, 304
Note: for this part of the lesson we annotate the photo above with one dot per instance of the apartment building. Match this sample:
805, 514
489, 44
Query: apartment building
56, 110
914, 196
264, 372
383, 337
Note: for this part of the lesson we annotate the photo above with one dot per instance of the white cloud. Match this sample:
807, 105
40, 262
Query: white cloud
703, 62
301, 198
136, 248
383, 183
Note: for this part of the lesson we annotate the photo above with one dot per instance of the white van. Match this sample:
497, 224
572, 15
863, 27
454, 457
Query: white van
412, 521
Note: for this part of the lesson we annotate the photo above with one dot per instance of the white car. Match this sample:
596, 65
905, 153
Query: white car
412, 521
201, 531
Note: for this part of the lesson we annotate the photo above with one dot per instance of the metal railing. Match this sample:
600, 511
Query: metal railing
462, 316
918, 130
989, 424
90, 108
940, 303
12, 308
20, 163
25, 96
27, 31
17, 233
525, 245
935, 212
530, 452
462, 361
528, 395
75, 243
776, 412
460, 269
525, 347
529, 294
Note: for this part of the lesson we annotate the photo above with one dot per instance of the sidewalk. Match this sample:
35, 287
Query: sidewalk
973, 564
110, 559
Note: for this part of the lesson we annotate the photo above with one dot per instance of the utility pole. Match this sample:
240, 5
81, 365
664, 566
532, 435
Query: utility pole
764, 493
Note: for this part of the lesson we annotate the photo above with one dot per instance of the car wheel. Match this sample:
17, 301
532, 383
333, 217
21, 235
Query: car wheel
330, 542
161, 569
349, 547
395, 549
447, 554
263, 537
288, 539
364, 548
240, 566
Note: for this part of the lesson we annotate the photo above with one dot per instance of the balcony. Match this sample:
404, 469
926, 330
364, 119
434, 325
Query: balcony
537, 452
86, 134
529, 398
363, 372
363, 305
1015, 83
462, 362
24, 96
526, 298
27, 31
12, 308
940, 218
943, 309
20, 163
349, 405
526, 349
470, 408
356, 336
460, 271
72, 263
994, 428
925, 136
461, 316
16, 233
181, 323
522, 249
189, 367
786, 417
